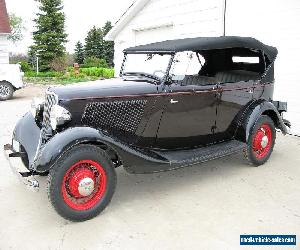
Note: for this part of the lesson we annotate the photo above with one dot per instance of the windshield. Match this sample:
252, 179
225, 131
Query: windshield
146, 65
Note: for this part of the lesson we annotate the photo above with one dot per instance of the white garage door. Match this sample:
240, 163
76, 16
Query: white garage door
274, 22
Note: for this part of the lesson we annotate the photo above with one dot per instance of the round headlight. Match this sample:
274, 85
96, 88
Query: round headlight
58, 116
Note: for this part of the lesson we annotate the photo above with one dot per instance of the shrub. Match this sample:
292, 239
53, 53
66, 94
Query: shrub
92, 71
98, 72
108, 73
59, 64
44, 74
70, 69
25, 66
94, 62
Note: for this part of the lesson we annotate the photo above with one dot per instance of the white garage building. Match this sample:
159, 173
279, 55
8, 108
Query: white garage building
4, 32
274, 22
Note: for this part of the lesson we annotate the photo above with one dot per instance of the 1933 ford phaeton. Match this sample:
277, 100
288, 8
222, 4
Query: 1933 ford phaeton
177, 103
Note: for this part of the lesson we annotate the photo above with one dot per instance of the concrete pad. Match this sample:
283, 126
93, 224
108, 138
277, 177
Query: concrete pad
206, 206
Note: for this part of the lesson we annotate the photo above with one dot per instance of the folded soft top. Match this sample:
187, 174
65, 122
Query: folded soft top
206, 43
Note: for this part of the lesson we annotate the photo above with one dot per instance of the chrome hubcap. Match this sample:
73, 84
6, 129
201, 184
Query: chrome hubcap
4, 90
264, 141
86, 186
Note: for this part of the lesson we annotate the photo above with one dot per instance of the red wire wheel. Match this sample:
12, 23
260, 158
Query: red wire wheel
84, 185
82, 182
262, 141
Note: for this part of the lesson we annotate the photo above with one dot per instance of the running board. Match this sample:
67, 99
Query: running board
160, 161
182, 158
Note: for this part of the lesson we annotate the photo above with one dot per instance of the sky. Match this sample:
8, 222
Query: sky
80, 17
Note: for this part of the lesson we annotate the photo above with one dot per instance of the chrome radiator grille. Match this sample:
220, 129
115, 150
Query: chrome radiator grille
50, 100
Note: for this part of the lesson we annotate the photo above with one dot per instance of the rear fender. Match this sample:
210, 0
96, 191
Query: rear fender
253, 113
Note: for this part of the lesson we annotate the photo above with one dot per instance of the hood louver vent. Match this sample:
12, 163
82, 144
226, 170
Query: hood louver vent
119, 115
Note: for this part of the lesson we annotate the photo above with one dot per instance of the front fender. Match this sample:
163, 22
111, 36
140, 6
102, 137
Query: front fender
63, 141
254, 111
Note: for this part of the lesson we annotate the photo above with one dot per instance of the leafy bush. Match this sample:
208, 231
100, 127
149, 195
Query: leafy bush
90, 62
43, 74
59, 64
108, 73
70, 69
98, 72
90, 72
25, 66
93, 71
69, 76
30, 74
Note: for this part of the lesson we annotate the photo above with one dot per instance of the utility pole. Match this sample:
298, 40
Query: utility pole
224, 18
37, 62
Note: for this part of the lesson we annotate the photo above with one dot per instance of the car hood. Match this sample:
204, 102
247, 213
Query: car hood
115, 87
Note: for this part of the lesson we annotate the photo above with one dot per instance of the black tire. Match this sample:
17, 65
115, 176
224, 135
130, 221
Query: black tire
6, 91
264, 126
57, 182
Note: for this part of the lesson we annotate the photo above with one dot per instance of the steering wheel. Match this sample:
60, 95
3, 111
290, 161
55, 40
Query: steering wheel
159, 71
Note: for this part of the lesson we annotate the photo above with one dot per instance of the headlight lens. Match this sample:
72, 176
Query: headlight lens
58, 116
36, 106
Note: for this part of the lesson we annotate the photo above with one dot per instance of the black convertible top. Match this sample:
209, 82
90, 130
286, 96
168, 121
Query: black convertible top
206, 43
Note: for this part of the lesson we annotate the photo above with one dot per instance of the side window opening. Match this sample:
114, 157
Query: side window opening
185, 63
242, 65
186, 67
217, 66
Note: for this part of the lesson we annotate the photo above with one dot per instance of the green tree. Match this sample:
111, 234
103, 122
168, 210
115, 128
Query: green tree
49, 37
79, 53
17, 28
108, 46
94, 43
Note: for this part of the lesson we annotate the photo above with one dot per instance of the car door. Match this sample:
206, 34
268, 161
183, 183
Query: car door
232, 98
189, 117
236, 89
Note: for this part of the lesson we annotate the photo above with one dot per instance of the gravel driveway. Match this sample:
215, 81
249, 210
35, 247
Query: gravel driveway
200, 207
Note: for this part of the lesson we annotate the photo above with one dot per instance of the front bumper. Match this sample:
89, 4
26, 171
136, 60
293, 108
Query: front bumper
18, 168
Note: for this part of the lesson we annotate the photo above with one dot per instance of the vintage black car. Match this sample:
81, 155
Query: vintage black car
176, 104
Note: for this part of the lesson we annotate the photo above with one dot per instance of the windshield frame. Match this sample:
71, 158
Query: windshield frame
157, 80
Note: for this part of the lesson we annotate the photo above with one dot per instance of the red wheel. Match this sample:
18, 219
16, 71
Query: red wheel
261, 141
82, 183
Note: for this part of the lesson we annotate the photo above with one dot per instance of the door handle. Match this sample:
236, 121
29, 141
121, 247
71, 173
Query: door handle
172, 101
